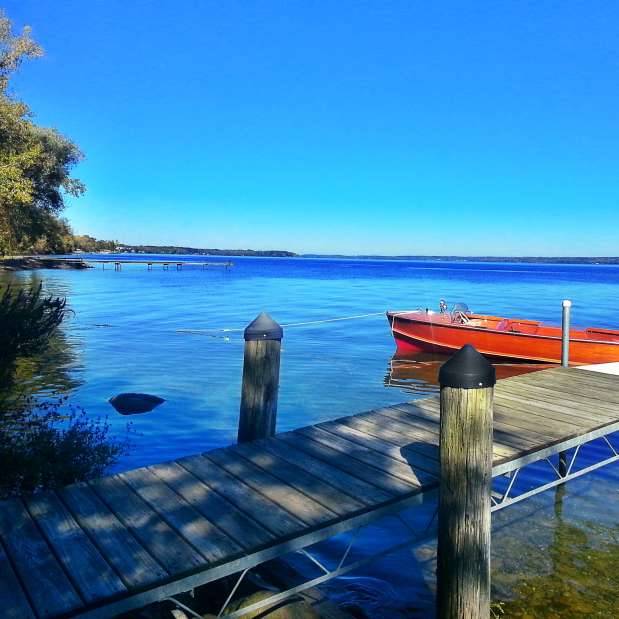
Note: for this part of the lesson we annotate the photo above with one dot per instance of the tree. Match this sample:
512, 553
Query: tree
35, 162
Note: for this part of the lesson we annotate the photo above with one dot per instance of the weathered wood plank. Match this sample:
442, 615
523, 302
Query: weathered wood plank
603, 390
272, 516
88, 570
132, 562
559, 399
426, 431
161, 541
210, 541
240, 527
13, 600
427, 454
407, 464
346, 459
387, 459
44, 579
300, 505
335, 500
337, 477
504, 435
538, 413
534, 415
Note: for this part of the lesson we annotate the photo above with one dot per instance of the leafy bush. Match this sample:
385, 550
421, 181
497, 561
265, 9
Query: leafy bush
41, 448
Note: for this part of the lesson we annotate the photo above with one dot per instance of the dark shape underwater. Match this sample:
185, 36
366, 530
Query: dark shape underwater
133, 403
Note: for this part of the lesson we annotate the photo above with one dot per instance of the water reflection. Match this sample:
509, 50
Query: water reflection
419, 373
49, 372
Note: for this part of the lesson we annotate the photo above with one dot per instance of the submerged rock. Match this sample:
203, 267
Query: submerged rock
133, 403
294, 608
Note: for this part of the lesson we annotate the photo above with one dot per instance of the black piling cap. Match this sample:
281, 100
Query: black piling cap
467, 369
263, 327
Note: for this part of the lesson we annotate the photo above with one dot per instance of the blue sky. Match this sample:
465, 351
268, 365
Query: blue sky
349, 127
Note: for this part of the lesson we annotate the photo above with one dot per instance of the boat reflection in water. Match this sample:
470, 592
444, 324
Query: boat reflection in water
418, 372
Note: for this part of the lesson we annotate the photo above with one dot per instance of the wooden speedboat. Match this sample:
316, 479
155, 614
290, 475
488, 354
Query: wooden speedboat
502, 338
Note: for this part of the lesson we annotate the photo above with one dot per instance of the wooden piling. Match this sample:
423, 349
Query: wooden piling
258, 413
463, 564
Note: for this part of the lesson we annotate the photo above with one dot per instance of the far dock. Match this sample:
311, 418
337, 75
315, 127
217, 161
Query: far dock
165, 264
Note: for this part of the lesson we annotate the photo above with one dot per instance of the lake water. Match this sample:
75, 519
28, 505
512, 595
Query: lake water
178, 335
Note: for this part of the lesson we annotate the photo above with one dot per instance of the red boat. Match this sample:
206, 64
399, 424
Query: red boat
502, 338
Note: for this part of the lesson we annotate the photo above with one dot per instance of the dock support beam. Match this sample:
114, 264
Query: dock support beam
463, 564
258, 416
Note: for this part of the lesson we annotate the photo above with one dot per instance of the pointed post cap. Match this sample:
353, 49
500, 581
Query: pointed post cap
467, 369
263, 327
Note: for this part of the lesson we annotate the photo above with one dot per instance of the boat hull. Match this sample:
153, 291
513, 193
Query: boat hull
421, 332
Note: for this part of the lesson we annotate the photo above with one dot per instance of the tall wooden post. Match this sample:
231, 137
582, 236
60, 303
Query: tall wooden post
463, 567
263, 339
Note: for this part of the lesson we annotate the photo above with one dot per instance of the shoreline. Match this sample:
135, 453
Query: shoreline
29, 263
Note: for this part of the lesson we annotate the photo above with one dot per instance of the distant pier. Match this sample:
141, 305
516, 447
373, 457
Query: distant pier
165, 264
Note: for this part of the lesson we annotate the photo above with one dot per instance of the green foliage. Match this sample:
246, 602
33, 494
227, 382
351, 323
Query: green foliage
89, 244
35, 162
42, 448
28, 321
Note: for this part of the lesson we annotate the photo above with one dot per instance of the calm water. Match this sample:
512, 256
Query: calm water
178, 335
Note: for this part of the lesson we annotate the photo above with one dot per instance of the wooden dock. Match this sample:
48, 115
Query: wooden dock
105, 547
165, 264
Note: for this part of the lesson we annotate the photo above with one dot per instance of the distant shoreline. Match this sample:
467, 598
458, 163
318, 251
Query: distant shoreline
187, 251
506, 259
89, 245
20, 263
30, 263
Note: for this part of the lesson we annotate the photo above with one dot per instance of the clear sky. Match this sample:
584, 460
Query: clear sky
337, 127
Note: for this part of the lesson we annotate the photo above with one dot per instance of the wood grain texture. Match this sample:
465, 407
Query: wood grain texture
271, 516
336, 501
15, 604
238, 525
463, 559
258, 414
44, 579
88, 570
115, 542
375, 483
334, 475
294, 502
161, 541
208, 539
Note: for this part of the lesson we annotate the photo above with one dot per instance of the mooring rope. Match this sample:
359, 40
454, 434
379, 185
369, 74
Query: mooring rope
286, 325
219, 333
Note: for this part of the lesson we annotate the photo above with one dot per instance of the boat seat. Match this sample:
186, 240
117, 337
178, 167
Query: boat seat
504, 325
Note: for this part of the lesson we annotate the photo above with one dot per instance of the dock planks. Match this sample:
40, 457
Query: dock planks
107, 546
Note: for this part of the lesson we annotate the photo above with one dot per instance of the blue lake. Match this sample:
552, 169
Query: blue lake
178, 335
